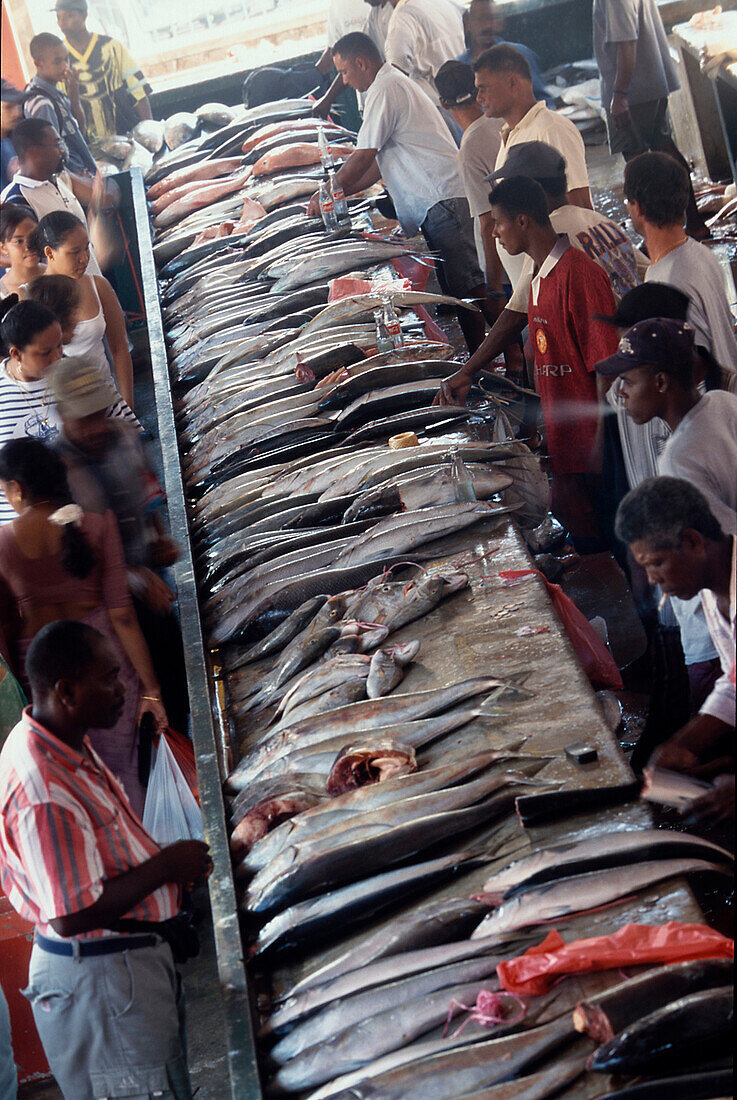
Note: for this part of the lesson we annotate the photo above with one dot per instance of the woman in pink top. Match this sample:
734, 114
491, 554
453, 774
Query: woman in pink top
57, 562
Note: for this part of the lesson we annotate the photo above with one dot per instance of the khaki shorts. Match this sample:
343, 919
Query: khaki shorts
111, 1025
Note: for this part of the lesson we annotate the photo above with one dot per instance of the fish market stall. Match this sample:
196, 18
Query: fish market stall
377, 676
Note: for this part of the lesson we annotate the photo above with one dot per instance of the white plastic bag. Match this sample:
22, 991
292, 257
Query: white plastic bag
170, 812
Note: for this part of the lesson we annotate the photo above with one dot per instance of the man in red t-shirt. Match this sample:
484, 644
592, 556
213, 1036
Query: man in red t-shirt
568, 292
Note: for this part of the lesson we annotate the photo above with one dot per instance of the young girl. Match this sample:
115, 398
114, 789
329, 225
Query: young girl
62, 296
31, 336
18, 248
58, 562
63, 239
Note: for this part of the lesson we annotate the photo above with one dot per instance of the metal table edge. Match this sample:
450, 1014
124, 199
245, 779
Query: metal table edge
241, 1047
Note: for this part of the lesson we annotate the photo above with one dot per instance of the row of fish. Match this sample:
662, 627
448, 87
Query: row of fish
358, 807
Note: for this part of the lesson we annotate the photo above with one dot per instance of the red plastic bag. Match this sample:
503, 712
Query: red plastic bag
632, 945
182, 750
417, 273
433, 332
597, 661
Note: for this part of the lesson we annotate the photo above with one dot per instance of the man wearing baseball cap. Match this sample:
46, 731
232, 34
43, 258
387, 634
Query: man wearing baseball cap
476, 158
112, 89
593, 233
654, 364
587, 230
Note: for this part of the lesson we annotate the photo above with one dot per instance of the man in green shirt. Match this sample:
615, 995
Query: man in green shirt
112, 89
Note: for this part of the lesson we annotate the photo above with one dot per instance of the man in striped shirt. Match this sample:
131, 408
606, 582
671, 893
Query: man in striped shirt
112, 89
74, 860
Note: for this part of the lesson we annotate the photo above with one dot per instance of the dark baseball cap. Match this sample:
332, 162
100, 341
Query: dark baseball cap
535, 159
646, 301
71, 5
659, 342
9, 93
455, 84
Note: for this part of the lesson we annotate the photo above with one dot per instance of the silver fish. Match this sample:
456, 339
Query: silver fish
303, 1004
620, 847
353, 904
180, 127
345, 806
284, 633
320, 757
463, 1069
365, 849
360, 717
565, 897
346, 1050
387, 668
150, 134
315, 268
214, 115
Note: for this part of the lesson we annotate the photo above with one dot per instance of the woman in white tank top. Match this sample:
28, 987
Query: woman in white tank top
66, 248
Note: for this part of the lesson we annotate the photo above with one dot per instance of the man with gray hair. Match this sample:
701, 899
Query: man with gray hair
672, 533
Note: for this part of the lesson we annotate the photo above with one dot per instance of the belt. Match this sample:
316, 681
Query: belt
89, 948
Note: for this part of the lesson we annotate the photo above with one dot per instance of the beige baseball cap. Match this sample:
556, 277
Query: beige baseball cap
80, 387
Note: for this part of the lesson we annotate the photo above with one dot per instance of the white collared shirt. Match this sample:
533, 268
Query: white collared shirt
422, 36
377, 25
560, 246
721, 702
703, 451
345, 17
542, 124
415, 152
45, 196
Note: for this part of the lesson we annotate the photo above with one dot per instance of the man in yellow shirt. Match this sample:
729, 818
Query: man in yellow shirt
112, 89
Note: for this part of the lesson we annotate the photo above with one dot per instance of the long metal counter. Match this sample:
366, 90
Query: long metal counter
491, 628
202, 693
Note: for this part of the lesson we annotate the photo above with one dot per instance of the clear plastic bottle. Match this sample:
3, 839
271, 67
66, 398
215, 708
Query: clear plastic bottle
383, 339
341, 203
327, 203
463, 489
391, 323
326, 157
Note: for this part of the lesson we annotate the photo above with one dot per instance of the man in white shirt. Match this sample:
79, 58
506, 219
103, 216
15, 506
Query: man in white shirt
504, 83
595, 234
37, 185
637, 76
656, 189
674, 535
476, 157
404, 141
422, 35
655, 367
344, 17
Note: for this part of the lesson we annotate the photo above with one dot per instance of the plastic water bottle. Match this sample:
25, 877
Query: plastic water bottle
383, 339
462, 481
326, 157
327, 203
391, 323
340, 202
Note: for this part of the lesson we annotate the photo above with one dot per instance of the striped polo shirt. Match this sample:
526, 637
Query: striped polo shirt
66, 827
28, 409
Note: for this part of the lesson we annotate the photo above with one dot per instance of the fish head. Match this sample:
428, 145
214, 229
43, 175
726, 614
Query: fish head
405, 653
454, 582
